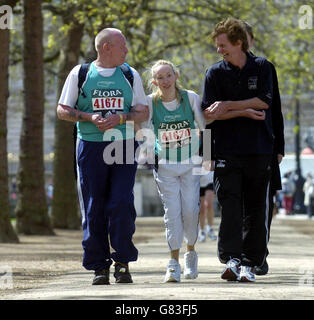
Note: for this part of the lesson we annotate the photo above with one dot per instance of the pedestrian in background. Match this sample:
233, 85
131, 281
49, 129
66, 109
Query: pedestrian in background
207, 212
308, 189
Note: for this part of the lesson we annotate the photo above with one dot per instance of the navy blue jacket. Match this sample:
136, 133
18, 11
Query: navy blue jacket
278, 129
242, 135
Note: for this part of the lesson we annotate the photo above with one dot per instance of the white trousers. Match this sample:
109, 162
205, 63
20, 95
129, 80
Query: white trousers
179, 190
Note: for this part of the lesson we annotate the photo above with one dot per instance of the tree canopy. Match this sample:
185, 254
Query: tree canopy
179, 30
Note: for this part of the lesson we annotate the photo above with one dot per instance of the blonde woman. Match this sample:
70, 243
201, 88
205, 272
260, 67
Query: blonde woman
175, 115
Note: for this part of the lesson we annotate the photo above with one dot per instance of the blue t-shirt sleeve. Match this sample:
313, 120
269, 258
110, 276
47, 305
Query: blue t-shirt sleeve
210, 94
209, 90
265, 87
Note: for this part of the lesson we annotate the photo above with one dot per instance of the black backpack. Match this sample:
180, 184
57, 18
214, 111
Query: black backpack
125, 68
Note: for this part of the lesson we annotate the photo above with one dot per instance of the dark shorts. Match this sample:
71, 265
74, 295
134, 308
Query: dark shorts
210, 186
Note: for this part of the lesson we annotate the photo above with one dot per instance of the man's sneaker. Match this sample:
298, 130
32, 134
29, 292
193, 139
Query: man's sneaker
247, 274
261, 270
122, 273
190, 265
231, 271
202, 235
173, 272
101, 277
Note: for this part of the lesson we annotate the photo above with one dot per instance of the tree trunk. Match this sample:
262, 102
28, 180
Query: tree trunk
65, 202
7, 233
32, 209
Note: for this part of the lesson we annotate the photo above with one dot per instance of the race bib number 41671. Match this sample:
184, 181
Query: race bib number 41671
107, 99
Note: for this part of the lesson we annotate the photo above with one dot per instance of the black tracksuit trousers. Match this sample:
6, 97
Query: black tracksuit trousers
242, 189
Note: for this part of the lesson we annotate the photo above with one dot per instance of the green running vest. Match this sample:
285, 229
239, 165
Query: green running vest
105, 95
176, 137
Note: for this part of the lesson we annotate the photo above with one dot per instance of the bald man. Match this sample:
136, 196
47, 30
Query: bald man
105, 152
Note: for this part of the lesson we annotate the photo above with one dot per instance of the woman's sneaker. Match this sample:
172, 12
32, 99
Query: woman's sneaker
202, 235
173, 272
231, 271
190, 265
247, 274
211, 233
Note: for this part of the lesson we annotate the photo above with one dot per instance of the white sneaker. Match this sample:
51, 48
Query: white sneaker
231, 272
202, 235
173, 272
190, 265
247, 274
211, 233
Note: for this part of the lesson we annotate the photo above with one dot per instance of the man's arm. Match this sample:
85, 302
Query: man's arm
73, 115
138, 114
248, 113
254, 103
219, 108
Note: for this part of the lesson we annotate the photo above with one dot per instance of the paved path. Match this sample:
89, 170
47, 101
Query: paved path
291, 266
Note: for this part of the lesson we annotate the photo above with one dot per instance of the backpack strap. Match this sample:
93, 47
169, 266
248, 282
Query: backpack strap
82, 77
126, 69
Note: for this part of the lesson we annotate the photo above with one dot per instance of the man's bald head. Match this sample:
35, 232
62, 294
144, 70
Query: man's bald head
105, 35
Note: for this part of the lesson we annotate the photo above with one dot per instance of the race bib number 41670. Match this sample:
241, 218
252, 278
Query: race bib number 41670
107, 100
175, 134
